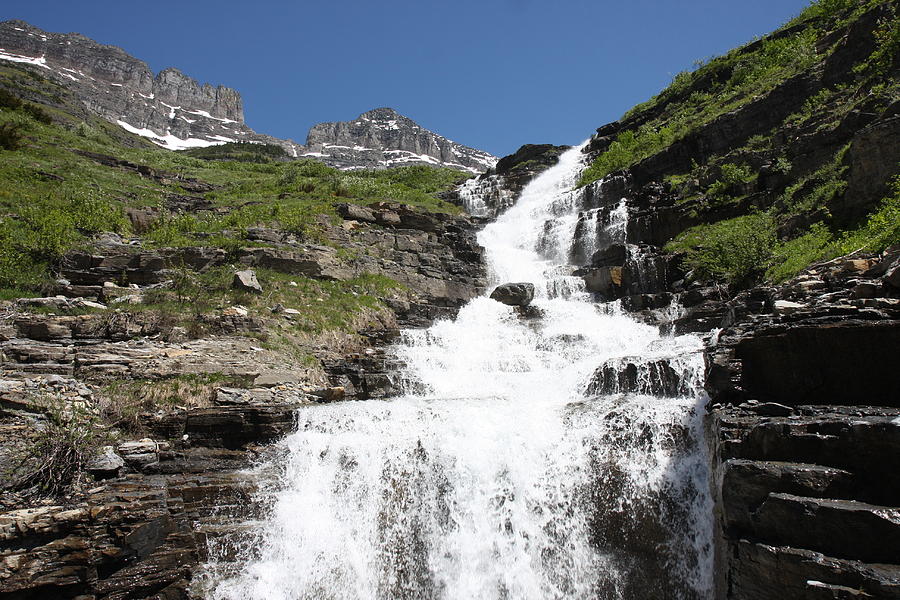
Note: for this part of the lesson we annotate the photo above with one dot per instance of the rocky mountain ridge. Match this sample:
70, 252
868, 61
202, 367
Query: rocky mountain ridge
384, 138
176, 112
169, 108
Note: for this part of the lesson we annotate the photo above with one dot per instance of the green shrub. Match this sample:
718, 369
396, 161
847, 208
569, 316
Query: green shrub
736, 251
880, 230
12, 102
10, 136
629, 148
43, 232
730, 176
238, 151
305, 167
793, 256
819, 188
782, 165
887, 49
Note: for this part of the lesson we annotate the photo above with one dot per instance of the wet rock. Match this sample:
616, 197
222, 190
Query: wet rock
233, 427
759, 570
332, 394
822, 525
514, 294
246, 281
771, 409
530, 312
613, 255
656, 378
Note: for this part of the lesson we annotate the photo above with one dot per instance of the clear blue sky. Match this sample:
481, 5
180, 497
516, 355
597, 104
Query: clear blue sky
493, 74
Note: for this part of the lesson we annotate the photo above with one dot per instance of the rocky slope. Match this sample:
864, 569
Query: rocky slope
803, 416
167, 484
174, 111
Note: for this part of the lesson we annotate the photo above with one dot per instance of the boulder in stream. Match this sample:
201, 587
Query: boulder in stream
514, 294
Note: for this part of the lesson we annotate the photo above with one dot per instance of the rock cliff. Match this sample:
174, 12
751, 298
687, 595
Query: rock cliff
803, 413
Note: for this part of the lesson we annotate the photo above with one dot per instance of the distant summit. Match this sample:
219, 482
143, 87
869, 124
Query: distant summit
384, 138
176, 112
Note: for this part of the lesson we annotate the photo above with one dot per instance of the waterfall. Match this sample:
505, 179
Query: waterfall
495, 476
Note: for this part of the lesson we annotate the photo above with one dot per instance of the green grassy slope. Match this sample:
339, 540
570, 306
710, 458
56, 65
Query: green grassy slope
741, 236
66, 175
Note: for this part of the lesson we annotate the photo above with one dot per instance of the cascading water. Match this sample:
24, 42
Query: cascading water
495, 476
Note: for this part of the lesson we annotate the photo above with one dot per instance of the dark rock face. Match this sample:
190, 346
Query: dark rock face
514, 294
873, 159
529, 156
807, 413
383, 138
809, 503
810, 341
838, 364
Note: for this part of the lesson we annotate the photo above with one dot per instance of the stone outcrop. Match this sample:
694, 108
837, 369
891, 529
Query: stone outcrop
139, 536
633, 375
808, 501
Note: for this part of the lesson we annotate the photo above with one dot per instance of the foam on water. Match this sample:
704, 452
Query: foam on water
494, 476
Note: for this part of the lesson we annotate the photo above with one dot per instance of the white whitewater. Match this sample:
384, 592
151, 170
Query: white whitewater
495, 477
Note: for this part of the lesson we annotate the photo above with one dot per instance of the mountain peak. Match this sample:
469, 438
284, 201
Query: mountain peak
381, 113
382, 138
